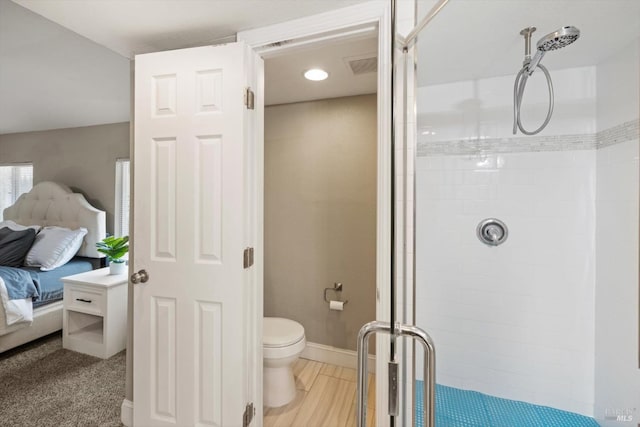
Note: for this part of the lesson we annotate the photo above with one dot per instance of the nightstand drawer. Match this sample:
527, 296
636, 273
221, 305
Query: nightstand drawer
85, 300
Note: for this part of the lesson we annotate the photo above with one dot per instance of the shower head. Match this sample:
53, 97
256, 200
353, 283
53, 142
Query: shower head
558, 39
553, 41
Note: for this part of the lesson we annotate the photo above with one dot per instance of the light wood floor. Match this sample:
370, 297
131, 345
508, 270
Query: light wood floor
326, 396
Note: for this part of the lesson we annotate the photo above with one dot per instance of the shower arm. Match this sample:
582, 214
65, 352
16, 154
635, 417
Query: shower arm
529, 63
526, 33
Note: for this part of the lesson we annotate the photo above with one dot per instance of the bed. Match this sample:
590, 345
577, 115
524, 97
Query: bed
50, 204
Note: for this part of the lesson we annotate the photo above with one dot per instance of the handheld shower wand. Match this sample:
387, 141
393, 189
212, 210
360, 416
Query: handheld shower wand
552, 41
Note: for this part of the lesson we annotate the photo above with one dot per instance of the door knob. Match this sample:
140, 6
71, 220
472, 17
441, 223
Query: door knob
140, 277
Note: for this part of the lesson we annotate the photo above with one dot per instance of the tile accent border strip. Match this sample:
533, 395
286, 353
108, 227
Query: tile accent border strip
627, 131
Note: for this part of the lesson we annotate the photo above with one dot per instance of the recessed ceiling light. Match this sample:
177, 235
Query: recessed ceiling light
316, 74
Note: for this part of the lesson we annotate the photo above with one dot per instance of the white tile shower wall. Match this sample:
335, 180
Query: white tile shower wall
617, 375
517, 320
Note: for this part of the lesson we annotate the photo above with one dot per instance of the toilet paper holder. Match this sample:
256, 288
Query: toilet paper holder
337, 288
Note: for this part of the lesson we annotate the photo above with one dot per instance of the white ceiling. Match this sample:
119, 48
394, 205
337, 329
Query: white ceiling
142, 26
47, 82
285, 83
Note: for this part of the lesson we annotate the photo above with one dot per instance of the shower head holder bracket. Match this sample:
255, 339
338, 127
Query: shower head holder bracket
527, 32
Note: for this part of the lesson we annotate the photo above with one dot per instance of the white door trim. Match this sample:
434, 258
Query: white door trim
312, 27
255, 305
334, 24
126, 413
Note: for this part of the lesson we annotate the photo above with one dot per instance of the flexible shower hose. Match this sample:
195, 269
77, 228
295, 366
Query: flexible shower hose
518, 91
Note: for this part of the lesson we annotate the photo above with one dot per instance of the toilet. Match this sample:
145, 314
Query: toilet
282, 342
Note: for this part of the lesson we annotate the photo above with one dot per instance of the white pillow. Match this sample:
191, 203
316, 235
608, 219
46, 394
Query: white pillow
18, 227
54, 247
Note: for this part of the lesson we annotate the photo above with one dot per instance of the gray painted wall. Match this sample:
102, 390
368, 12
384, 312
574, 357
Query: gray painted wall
82, 158
320, 214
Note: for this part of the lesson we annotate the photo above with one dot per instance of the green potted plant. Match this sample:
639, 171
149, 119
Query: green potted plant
115, 248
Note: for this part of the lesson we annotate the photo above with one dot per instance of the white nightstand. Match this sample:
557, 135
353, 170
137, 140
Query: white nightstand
94, 320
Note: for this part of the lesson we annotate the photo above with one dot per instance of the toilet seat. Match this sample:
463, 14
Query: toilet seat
278, 332
284, 352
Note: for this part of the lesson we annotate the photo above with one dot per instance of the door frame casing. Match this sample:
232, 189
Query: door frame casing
254, 307
339, 23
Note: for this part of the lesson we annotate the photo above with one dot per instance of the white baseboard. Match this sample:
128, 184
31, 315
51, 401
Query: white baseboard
335, 356
126, 413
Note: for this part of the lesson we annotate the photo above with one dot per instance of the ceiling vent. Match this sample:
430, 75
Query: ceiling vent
363, 65
278, 44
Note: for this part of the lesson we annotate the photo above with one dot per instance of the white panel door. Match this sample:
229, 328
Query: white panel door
193, 343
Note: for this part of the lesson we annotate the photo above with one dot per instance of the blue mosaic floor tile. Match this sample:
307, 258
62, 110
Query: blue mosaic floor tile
459, 405
557, 418
466, 408
509, 413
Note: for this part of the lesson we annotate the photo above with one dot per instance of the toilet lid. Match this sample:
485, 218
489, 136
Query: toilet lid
279, 332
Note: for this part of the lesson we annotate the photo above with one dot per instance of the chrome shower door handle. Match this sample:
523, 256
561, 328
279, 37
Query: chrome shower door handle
140, 277
429, 370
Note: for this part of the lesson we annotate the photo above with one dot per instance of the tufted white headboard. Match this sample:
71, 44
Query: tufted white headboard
49, 203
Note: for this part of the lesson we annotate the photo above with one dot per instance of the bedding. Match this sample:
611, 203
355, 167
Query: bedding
50, 285
18, 289
18, 227
19, 283
18, 307
54, 247
14, 246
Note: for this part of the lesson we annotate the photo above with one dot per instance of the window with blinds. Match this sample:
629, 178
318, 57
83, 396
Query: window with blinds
14, 181
122, 198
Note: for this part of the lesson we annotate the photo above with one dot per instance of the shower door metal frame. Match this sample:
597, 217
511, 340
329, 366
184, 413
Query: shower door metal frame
406, 205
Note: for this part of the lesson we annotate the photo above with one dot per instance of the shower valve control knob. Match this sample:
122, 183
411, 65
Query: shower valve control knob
492, 231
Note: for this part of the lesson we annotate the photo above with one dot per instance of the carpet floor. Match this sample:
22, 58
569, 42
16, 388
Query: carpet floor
42, 384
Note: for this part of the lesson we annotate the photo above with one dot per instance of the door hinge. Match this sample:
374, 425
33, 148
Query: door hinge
393, 389
248, 257
249, 412
249, 98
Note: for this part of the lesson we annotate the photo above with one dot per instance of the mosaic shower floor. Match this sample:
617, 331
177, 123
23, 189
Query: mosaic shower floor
465, 408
